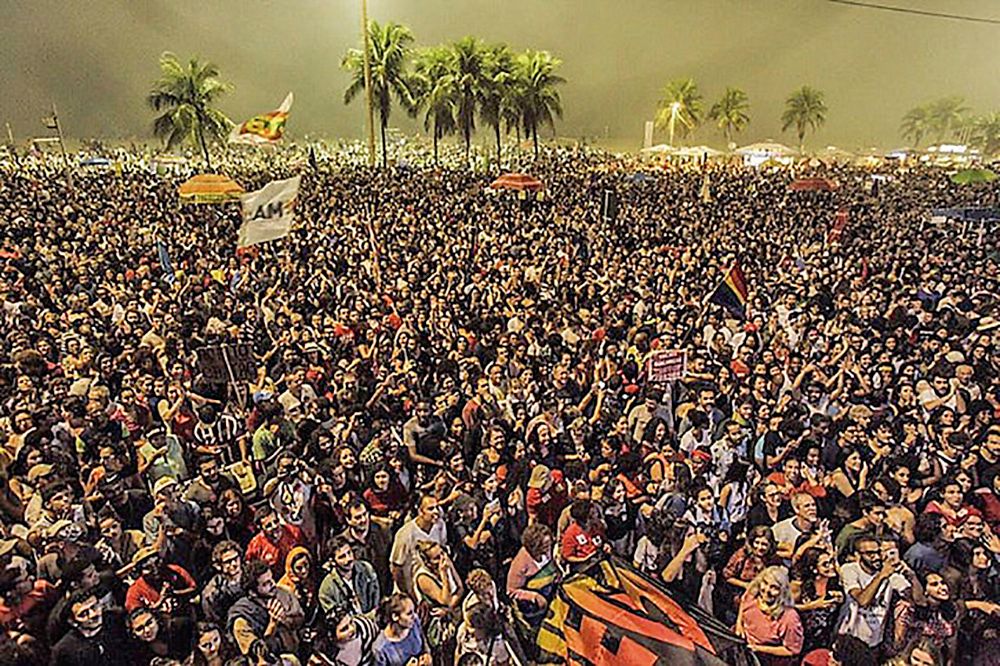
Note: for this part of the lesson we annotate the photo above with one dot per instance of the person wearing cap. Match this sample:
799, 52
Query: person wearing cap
165, 490
546, 496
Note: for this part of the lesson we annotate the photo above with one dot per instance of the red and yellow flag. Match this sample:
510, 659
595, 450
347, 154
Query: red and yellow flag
265, 128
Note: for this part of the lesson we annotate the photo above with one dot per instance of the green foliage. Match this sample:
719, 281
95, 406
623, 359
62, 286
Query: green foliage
389, 60
679, 109
183, 97
805, 109
731, 113
453, 85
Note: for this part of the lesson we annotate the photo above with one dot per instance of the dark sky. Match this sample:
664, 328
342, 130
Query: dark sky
97, 58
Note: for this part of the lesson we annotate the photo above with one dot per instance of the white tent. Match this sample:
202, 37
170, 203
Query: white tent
770, 148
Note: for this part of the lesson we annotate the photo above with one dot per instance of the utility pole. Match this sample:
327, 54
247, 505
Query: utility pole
368, 82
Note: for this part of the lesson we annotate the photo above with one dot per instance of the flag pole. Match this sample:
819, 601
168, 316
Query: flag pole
368, 83
62, 146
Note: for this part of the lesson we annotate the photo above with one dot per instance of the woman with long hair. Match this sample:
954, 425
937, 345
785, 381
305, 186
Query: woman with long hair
385, 495
938, 617
209, 648
438, 587
401, 641
768, 620
816, 591
349, 641
239, 526
749, 560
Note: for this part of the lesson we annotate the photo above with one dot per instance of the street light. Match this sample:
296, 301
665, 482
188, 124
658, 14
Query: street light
368, 82
675, 109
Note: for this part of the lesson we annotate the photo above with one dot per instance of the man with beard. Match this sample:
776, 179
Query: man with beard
95, 638
351, 582
370, 540
210, 482
267, 617
226, 586
274, 541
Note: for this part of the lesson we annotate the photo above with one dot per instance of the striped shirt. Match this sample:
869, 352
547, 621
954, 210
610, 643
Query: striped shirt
224, 433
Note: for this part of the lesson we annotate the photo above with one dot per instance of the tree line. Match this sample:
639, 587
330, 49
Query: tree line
680, 110
450, 87
949, 119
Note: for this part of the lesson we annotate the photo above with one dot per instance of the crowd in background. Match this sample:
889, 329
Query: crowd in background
451, 412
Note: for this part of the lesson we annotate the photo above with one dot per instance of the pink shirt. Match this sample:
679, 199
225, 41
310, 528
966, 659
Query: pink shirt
760, 629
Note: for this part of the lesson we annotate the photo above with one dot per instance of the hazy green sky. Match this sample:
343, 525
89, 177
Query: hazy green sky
96, 58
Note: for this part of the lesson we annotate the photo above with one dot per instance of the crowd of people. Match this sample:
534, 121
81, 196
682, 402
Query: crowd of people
452, 412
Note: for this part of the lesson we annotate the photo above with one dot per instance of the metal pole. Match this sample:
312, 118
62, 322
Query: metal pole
10, 145
368, 82
62, 146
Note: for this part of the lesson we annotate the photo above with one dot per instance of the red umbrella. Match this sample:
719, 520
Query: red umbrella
813, 185
517, 181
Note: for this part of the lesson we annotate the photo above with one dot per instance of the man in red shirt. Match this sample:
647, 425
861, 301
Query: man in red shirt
577, 544
274, 541
155, 576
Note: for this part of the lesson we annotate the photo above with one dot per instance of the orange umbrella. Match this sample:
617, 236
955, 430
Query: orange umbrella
517, 181
210, 188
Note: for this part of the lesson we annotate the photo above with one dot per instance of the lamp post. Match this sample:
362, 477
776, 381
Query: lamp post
675, 108
368, 83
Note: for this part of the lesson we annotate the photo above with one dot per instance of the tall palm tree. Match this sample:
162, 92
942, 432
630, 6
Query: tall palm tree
805, 109
947, 116
390, 52
470, 58
916, 124
679, 109
183, 96
498, 78
435, 91
986, 133
538, 97
731, 112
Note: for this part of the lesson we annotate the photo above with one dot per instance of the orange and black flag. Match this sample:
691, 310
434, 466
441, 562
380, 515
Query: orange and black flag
611, 614
732, 292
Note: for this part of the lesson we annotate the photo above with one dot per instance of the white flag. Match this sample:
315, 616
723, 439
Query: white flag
268, 212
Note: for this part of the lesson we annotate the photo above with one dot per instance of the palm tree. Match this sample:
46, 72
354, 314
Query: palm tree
730, 113
390, 52
470, 56
537, 97
498, 78
680, 108
436, 92
946, 115
986, 133
183, 96
916, 124
805, 109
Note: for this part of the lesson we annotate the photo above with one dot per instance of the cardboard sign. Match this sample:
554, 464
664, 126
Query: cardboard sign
212, 362
667, 365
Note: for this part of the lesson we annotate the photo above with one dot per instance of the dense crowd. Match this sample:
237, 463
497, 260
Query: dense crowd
452, 412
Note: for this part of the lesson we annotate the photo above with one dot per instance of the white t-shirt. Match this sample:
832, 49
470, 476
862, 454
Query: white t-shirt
404, 548
645, 555
786, 531
867, 624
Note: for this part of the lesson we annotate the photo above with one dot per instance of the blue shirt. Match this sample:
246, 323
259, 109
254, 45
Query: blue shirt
397, 653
